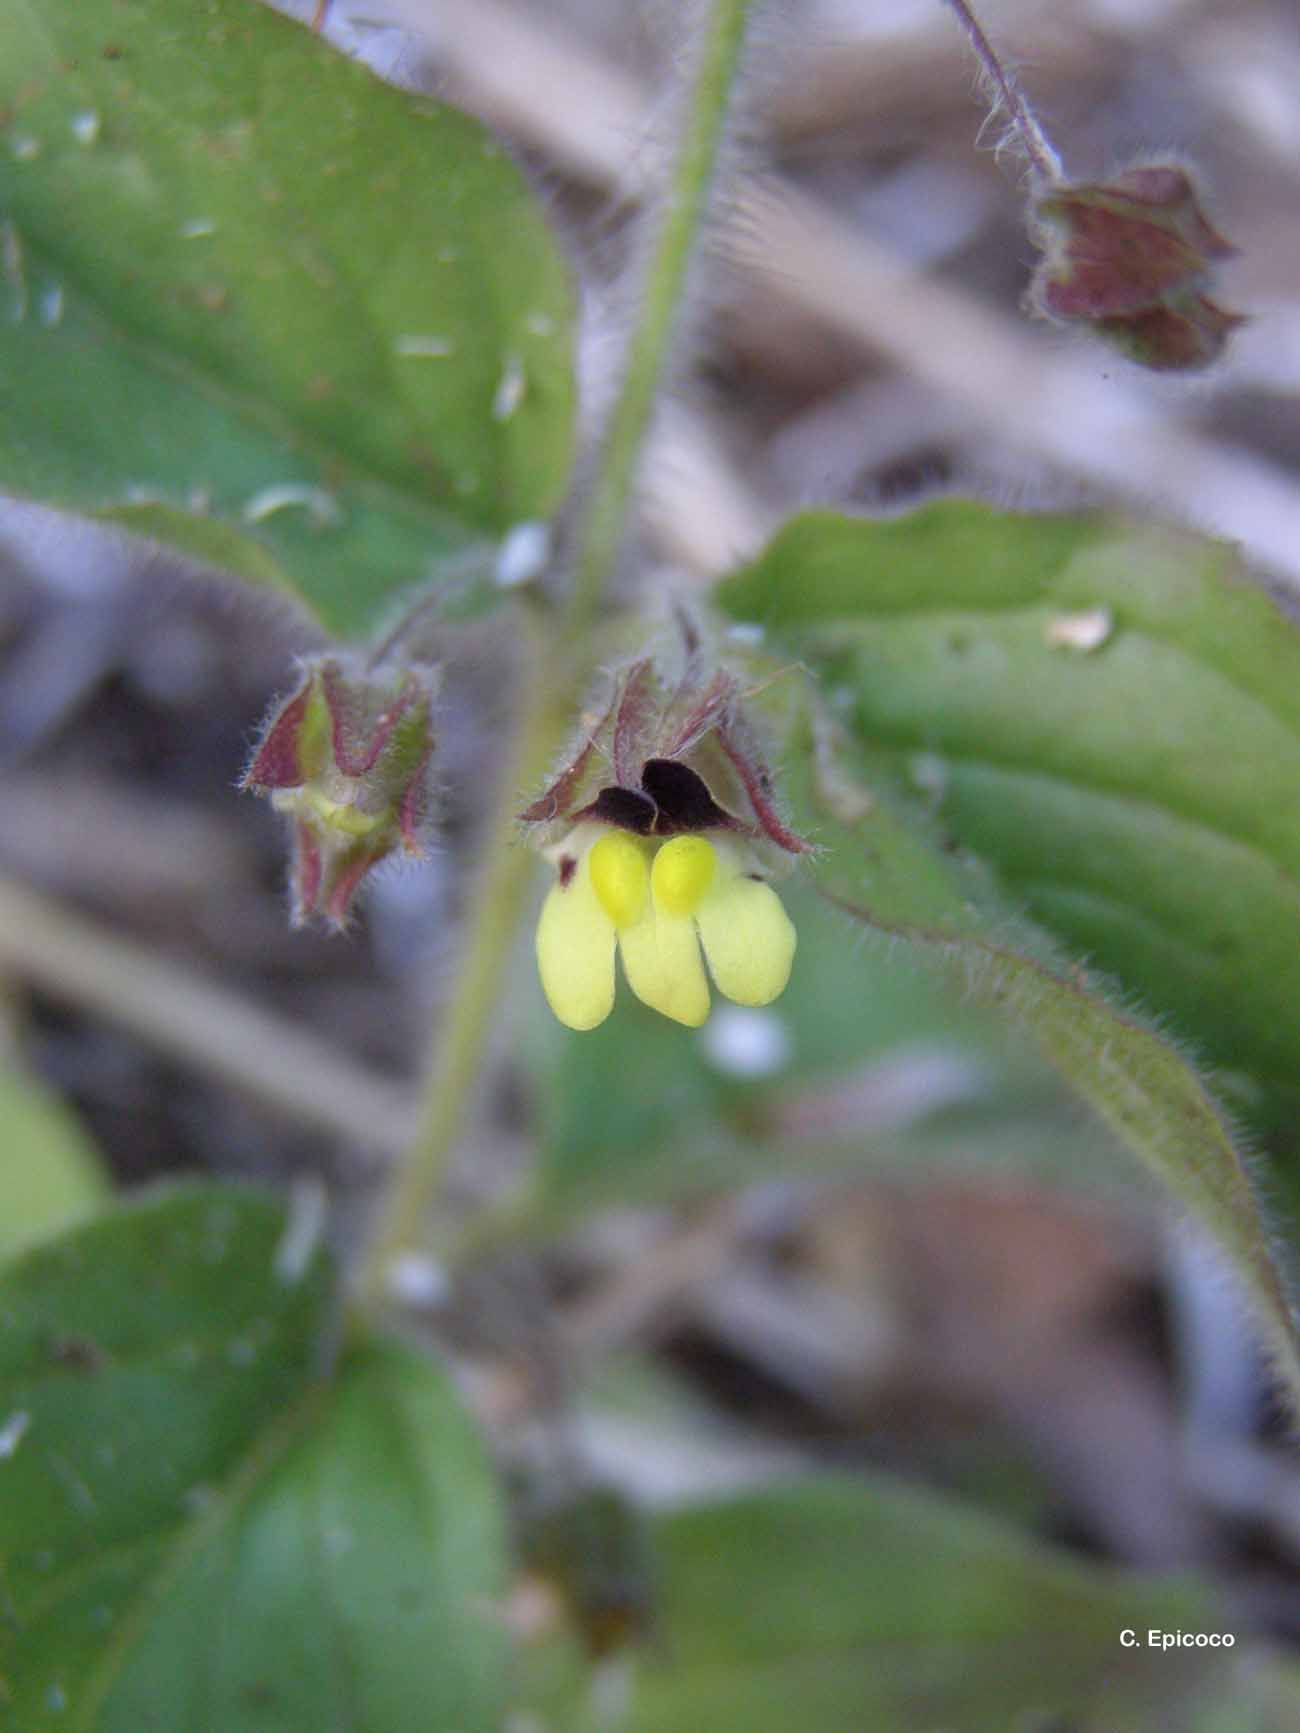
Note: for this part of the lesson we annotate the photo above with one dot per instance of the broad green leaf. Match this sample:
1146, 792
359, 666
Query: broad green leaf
365, 1568
50, 1172
1140, 798
262, 307
869, 1607
897, 872
201, 1524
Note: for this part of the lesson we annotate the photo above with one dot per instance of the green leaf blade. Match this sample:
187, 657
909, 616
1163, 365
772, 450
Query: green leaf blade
843, 1605
146, 1350
202, 1524
357, 1584
239, 270
1133, 788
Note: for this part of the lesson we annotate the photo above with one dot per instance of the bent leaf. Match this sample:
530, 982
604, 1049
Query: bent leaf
938, 637
201, 1528
1108, 714
264, 308
841, 1605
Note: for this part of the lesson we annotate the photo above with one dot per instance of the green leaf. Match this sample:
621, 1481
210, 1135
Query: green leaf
875, 1608
964, 675
51, 1174
264, 308
1142, 798
200, 1527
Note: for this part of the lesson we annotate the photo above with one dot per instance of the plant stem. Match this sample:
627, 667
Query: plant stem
554, 664
1034, 141
461, 1036
684, 203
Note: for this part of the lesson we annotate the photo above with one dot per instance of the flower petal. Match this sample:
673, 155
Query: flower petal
575, 952
748, 938
661, 959
619, 876
683, 871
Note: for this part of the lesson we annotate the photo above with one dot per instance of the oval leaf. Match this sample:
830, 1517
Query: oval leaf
838, 1605
247, 284
882, 864
1109, 714
198, 1530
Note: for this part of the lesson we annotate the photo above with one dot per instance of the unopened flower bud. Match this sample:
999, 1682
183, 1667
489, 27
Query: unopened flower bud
1134, 257
345, 757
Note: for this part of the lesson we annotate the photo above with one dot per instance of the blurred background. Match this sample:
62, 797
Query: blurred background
862, 1227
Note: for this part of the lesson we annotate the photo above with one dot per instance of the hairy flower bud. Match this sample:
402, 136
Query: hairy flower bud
345, 757
1133, 257
663, 830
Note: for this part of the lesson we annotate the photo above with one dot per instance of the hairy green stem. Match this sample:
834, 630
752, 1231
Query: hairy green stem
684, 204
554, 667
461, 1035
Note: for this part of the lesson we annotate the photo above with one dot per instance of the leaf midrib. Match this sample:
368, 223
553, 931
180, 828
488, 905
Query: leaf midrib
265, 1450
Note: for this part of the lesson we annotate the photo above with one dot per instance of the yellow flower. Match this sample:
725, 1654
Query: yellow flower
656, 903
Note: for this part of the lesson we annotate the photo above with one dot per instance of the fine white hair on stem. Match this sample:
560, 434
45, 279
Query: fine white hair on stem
1024, 127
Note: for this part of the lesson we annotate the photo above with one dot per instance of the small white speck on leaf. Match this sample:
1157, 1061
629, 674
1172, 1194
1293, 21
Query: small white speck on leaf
540, 324
510, 389
523, 554
85, 126
13, 1432
197, 227
79, 1494
24, 146
303, 1231
321, 507
414, 347
1084, 631
56, 1699
50, 305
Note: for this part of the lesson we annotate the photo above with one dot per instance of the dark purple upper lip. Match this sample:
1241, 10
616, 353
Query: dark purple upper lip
672, 799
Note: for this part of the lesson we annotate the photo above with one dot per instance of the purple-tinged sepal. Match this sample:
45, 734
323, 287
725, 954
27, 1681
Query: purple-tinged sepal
664, 830
346, 758
1134, 257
